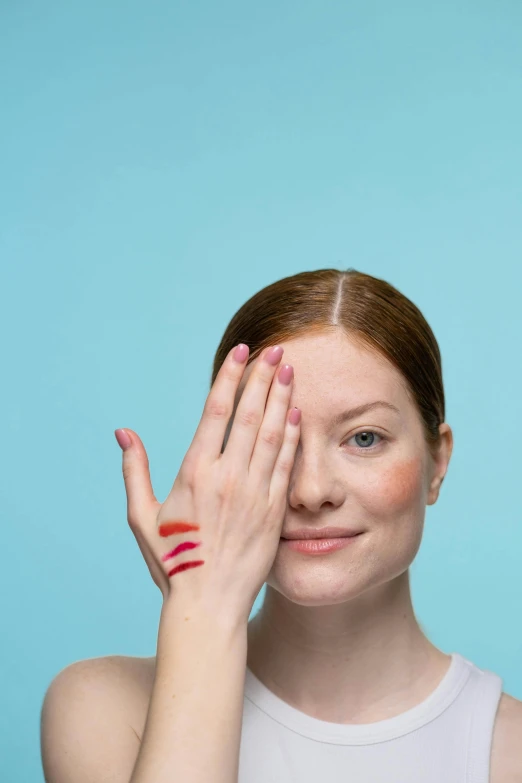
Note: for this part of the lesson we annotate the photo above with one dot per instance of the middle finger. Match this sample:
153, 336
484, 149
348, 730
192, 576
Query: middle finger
251, 408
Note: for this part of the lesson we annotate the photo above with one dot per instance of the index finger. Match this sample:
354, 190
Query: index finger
210, 434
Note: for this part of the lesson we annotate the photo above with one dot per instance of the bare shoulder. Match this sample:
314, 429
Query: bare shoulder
506, 751
128, 678
104, 701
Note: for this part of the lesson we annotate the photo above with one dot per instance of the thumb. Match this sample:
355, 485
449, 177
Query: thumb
136, 475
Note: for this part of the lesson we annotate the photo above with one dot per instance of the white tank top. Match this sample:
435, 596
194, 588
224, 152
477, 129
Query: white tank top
447, 737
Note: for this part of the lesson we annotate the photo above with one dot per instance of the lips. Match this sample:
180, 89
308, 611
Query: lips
319, 546
325, 532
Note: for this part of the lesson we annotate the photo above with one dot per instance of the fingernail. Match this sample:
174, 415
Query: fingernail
295, 416
286, 373
123, 439
273, 356
241, 352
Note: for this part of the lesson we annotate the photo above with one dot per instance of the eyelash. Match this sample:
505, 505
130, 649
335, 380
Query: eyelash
369, 448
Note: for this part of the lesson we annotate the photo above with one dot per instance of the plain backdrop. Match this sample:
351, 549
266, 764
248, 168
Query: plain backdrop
160, 163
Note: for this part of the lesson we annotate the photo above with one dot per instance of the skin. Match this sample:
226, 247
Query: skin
337, 637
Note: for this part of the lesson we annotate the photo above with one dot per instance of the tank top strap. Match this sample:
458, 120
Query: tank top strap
486, 700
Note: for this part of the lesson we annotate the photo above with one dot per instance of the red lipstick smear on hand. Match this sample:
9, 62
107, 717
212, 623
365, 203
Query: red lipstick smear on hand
184, 566
169, 528
180, 548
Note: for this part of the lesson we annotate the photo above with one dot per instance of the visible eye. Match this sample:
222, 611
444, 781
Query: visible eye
367, 438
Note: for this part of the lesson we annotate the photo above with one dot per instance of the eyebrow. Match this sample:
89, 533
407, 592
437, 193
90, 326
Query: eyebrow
368, 406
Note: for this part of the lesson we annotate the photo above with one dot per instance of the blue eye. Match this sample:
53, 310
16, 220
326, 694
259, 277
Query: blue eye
368, 438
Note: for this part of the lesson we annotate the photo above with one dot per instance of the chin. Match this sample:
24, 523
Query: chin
315, 589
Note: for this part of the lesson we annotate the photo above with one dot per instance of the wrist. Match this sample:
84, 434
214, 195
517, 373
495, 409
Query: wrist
189, 612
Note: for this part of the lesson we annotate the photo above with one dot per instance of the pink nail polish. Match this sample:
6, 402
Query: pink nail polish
285, 375
241, 352
123, 439
295, 416
273, 356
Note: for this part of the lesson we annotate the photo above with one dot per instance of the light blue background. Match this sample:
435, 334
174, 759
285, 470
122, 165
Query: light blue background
160, 163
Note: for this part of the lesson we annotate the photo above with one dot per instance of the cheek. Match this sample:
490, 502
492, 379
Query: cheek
399, 486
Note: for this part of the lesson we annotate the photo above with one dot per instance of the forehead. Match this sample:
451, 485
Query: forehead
333, 371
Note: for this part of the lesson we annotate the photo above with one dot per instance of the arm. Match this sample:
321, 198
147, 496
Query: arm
238, 500
193, 727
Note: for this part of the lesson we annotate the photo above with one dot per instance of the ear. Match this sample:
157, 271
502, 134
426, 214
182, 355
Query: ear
440, 463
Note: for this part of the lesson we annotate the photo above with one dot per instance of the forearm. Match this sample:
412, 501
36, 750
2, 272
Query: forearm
193, 727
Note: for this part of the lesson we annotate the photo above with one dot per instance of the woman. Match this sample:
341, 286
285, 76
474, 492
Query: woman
334, 678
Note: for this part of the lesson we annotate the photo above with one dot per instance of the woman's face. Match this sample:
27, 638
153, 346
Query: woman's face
373, 472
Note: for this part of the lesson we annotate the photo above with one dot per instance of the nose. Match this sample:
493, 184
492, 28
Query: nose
313, 483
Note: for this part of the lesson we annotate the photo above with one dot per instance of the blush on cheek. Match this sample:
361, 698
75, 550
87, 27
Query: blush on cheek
401, 484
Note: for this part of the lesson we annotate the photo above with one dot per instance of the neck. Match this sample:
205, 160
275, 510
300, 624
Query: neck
360, 661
